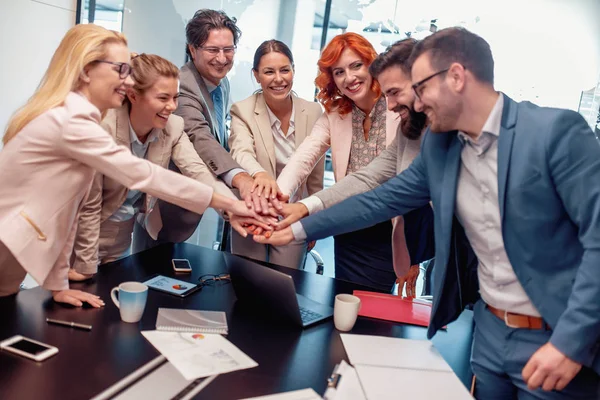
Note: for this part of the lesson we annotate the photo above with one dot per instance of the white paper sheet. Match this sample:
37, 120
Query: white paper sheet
348, 387
393, 352
198, 355
304, 394
383, 383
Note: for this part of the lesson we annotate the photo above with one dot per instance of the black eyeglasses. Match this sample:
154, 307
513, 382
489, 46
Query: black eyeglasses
418, 87
211, 279
124, 68
214, 51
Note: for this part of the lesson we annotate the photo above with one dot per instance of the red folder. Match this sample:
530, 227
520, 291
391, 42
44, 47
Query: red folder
394, 308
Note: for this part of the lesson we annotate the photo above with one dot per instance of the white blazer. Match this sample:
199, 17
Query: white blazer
251, 140
45, 175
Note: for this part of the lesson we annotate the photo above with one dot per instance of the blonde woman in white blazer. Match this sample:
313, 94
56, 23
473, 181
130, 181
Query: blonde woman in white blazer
266, 129
52, 148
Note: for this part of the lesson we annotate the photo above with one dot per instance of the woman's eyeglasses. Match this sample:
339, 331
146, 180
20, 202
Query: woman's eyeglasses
211, 279
124, 68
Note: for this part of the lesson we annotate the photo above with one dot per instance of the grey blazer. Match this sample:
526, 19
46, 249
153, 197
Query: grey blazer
197, 110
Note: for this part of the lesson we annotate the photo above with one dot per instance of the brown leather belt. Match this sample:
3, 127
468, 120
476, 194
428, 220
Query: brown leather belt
513, 320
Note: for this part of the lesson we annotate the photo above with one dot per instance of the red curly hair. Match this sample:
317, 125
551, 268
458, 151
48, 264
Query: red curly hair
328, 94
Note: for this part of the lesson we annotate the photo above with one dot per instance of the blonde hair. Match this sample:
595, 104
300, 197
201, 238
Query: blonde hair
83, 44
147, 68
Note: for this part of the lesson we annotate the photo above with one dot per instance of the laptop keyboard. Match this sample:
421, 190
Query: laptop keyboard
307, 315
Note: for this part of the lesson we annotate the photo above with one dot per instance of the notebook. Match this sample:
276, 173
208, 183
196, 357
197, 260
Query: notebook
394, 308
179, 320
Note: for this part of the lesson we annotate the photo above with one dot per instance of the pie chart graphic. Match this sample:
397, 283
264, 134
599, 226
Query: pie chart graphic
179, 287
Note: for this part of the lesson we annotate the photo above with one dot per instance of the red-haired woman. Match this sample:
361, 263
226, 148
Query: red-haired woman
357, 127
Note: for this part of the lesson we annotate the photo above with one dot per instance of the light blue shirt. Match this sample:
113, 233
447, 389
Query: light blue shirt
228, 176
133, 201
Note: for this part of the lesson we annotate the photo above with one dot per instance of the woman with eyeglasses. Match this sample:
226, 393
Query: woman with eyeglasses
52, 148
357, 127
266, 129
146, 125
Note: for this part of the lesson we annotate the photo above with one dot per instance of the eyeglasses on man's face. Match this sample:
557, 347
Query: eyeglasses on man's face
214, 51
418, 87
124, 68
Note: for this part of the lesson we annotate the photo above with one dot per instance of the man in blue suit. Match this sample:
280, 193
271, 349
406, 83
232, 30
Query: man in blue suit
518, 185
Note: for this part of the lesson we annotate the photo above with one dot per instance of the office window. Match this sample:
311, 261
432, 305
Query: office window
106, 13
545, 51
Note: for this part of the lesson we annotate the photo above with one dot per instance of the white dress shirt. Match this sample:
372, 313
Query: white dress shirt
285, 145
478, 210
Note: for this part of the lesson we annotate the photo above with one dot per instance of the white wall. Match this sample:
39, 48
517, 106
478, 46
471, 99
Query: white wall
158, 26
30, 31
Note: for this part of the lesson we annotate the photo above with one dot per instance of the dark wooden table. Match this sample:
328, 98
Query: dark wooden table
288, 358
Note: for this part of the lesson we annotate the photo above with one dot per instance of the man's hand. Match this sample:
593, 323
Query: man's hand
291, 213
550, 369
76, 298
410, 279
250, 225
244, 183
76, 276
276, 238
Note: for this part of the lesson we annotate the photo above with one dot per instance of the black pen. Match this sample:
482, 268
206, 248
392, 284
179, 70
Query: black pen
69, 324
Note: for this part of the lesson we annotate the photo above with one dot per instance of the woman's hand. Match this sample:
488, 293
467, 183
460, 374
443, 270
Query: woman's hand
77, 277
265, 186
265, 194
250, 225
77, 298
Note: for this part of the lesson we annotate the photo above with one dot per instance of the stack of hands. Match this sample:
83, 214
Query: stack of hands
267, 213
272, 216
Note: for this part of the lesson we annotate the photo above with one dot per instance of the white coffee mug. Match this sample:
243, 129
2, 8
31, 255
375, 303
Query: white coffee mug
345, 311
132, 300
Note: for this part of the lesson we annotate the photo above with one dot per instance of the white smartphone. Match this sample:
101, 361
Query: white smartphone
29, 348
181, 265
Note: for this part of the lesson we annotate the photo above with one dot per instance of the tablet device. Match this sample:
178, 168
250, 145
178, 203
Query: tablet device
171, 285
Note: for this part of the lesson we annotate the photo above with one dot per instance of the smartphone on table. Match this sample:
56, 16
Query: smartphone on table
29, 348
181, 265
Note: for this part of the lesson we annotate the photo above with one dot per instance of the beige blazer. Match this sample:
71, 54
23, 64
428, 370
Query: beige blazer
334, 131
107, 194
251, 138
46, 173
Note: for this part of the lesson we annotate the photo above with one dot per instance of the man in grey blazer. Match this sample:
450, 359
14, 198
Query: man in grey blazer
393, 73
203, 104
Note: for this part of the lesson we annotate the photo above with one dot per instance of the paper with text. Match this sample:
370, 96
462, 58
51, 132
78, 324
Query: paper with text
198, 355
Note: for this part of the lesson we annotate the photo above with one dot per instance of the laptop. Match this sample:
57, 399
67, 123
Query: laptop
267, 288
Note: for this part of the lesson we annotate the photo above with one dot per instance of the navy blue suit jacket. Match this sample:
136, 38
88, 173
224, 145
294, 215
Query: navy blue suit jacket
549, 197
